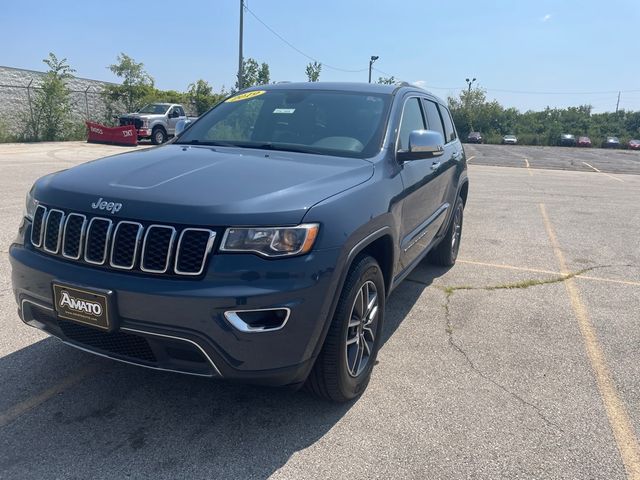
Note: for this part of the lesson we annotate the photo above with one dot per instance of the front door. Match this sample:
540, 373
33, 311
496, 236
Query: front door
422, 212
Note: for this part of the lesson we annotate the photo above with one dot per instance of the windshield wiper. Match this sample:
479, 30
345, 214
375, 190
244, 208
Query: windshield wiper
280, 147
207, 143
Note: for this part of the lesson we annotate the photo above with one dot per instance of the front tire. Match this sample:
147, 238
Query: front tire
446, 252
158, 136
343, 369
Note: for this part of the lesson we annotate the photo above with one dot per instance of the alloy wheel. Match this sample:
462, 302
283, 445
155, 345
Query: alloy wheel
362, 329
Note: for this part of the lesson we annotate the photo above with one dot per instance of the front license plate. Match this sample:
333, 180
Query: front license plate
83, 305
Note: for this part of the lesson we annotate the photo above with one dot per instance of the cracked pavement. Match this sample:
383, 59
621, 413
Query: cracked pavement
483, 372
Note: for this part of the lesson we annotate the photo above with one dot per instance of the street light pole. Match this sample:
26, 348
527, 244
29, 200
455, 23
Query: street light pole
240, 73
373, 59
466, 101
469, 83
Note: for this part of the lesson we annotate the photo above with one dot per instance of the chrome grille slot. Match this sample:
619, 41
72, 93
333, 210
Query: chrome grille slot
53, 230
73, 235
194, 246
122, 244
37, 227
124, 249
156, 248
95, 250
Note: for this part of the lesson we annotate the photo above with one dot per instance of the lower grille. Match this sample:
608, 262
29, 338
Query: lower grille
117, 343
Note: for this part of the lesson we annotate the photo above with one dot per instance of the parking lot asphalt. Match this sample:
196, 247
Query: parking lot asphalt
521, 361
557, 158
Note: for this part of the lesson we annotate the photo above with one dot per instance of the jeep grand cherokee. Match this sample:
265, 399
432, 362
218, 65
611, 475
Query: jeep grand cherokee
260, 245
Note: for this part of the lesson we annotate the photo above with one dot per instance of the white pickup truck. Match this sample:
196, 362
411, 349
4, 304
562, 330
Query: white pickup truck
156, 121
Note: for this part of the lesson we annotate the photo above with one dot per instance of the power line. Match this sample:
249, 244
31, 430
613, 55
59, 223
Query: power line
298, 50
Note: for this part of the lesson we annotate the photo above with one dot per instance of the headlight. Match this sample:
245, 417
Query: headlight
30, 205
271, 241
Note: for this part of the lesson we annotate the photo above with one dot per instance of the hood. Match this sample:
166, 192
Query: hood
199, 185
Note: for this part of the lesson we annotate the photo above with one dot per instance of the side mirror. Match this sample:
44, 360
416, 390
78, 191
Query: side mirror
423, 144
181, 126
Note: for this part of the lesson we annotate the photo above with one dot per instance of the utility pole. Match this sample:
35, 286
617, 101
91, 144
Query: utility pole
618, 102
373, 59
240, 73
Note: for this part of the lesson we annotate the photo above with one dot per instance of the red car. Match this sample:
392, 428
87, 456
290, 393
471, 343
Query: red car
633, 145
584, 142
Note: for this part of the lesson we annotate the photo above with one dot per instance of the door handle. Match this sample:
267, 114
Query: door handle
457, 155
435, 165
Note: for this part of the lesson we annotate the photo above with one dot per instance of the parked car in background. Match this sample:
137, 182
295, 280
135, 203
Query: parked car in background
253, 248
567, 140
155, 121
611, 142
475, 137
509, 140
584, 142
633, 145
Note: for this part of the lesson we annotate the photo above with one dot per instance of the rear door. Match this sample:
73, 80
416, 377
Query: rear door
420, 206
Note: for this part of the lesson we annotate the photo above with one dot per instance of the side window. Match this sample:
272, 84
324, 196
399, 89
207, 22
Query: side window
411, 120
433, 118
180, 111
448, 124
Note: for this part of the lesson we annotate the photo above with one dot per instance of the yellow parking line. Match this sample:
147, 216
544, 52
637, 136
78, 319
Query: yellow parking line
609, 280
606, 174
508, 267
623, 432
550, 272
470, 158
526, 162
32, 402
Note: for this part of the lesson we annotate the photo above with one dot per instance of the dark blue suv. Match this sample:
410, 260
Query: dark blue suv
260, 245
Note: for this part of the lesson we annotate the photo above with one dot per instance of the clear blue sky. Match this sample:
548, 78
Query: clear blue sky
573, 46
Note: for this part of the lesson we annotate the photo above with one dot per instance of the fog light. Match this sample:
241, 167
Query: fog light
263, 320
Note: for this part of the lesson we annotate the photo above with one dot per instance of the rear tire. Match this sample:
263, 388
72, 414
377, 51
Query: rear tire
158, 136
446, 253
343, 369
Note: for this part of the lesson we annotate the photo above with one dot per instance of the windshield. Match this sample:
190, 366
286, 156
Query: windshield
154, 108
310, 121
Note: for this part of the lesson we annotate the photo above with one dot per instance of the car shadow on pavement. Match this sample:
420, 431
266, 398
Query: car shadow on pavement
404, 297
125, 421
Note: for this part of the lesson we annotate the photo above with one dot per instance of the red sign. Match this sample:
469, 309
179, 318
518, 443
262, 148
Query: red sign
126, 135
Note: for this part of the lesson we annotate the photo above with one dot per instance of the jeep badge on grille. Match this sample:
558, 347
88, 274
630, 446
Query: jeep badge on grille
111, 207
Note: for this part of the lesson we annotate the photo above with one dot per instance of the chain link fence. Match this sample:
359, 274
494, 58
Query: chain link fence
18, 90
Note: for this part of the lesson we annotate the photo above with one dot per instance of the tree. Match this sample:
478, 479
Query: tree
387, 80
313, 71
136, 83
264, 77
201, 96
49, 118
253, 74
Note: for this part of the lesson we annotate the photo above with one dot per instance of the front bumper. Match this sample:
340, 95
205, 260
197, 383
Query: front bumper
180, 325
